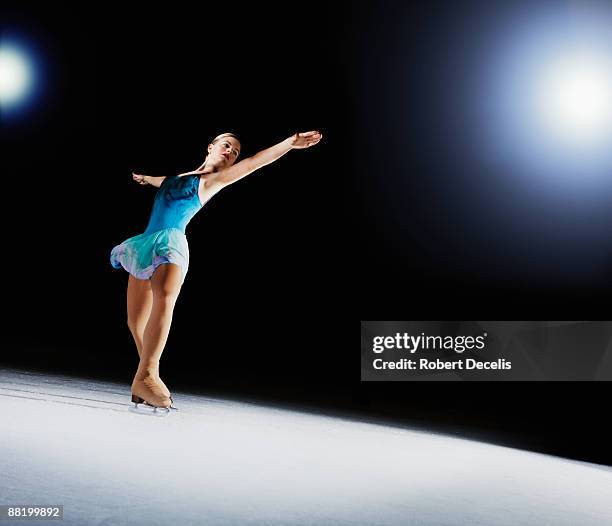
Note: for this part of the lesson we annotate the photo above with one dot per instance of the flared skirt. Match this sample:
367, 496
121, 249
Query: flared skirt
142, 254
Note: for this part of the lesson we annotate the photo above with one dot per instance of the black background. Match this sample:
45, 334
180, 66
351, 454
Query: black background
284, 263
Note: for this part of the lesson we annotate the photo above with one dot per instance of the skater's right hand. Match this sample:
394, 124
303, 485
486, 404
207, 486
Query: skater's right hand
140, 179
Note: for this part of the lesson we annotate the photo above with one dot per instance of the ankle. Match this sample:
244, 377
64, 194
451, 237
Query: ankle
146, 371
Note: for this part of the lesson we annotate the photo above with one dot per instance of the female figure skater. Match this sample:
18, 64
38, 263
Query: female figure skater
157, 260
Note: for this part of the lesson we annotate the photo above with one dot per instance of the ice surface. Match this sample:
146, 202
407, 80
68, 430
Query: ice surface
220, 462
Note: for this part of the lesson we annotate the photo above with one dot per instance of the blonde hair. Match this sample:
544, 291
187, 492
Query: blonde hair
219, 137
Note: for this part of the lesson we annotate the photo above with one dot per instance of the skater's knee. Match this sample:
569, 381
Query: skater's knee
165, 300
135, 326
166, 293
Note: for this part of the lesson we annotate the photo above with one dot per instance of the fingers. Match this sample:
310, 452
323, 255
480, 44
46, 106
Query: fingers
315, 139
306, 139
310, 138
139, 178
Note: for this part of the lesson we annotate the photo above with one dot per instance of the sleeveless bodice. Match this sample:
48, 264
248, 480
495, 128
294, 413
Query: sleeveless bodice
176, 202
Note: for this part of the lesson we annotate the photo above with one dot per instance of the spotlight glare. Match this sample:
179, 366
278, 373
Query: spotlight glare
15, 76
574, 98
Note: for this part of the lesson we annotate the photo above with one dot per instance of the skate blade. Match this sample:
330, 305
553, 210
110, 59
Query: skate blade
145, 409
142, 406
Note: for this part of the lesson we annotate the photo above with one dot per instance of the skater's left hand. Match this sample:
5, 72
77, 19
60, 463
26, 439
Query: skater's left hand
306, 139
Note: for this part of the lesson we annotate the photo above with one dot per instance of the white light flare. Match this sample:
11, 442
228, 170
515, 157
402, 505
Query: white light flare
15, 76
573, 98
546, 105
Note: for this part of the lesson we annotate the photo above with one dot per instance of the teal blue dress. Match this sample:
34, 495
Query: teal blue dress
164, 240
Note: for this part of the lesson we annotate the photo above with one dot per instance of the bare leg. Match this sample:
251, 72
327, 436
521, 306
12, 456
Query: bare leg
166, 285
139, 306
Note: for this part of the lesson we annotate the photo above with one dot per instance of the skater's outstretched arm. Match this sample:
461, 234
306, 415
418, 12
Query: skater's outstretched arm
147, 179
267, 156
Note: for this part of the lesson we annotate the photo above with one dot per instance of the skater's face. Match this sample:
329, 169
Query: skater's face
224, 151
